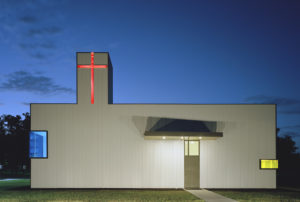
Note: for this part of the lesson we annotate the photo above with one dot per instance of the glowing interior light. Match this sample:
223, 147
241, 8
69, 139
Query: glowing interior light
193, 148
181, 137
38, 144
186, 148
200, 138
269, 164
164, 137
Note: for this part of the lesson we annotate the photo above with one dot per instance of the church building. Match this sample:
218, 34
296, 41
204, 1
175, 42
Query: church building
96, 143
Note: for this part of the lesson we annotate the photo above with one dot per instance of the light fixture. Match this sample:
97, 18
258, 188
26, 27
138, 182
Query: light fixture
181, 137
200, 138
164, 137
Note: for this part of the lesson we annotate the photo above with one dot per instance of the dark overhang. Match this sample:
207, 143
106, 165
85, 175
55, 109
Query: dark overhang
181, 129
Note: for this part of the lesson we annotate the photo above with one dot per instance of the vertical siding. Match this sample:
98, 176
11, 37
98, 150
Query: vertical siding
233, 161
109, 150
102, 146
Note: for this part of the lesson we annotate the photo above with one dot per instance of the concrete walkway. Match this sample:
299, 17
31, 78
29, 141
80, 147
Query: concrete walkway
209, 196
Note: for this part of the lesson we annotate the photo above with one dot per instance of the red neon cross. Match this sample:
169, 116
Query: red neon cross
92, 66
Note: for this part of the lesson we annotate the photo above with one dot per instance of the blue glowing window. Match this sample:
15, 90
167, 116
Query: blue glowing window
38, 144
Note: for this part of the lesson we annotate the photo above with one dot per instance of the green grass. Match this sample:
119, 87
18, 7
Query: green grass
260, 195
19, 190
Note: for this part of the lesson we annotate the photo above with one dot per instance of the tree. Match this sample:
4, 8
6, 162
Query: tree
14, 141
25, 139
2, 140
289, 162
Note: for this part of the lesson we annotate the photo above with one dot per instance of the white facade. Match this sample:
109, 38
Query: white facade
102, 145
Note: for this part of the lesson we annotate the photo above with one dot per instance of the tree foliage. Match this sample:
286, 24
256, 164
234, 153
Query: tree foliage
14, 141
288, 173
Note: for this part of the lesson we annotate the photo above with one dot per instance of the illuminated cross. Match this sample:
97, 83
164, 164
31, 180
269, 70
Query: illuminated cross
92, 66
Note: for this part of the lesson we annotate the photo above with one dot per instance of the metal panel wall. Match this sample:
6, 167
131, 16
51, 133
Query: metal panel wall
102, 145
105, 148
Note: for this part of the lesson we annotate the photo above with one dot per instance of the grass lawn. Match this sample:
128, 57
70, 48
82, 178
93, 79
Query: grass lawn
19, 190
260, 195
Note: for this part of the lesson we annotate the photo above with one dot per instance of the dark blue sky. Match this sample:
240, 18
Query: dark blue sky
162, 52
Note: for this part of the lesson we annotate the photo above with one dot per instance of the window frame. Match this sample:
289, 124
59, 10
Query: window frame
47, 156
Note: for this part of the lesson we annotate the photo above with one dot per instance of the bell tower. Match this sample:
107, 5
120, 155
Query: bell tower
94, 78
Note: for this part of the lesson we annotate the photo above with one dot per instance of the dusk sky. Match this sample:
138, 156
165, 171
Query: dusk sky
200, 52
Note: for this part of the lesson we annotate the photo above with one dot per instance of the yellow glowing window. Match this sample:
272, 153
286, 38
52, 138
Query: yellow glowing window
186, 148
269, 164
193, 148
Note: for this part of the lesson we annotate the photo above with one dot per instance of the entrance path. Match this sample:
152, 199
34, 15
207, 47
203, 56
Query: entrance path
209, 196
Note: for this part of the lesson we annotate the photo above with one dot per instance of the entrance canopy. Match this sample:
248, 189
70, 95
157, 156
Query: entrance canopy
180, 129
